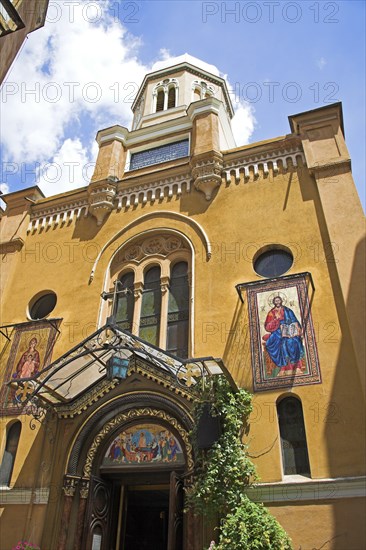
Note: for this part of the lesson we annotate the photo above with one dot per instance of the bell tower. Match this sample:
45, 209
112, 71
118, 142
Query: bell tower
166, 93
181, 110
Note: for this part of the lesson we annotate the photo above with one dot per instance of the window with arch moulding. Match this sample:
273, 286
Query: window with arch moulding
165, 96
153, 297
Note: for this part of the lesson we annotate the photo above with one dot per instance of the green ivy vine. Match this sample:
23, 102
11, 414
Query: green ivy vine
224, 472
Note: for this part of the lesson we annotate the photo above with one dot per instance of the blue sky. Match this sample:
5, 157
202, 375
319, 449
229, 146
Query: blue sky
280, 58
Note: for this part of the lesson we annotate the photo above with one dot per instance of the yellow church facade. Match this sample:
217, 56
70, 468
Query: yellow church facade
184, 257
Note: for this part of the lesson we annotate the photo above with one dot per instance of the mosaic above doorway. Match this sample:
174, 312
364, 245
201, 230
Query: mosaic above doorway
144, 444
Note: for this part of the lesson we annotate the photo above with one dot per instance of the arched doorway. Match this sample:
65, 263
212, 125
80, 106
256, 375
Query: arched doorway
136, 486
97, 406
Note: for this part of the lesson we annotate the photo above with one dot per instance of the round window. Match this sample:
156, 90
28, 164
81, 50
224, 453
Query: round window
273, 263
41, 306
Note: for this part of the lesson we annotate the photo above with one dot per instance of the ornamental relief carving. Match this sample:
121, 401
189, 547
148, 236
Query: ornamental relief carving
101, 197
207, 174
69, 486
161, 245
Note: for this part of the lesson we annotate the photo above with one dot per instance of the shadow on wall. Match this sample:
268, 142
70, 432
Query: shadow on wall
346, 411
24, 519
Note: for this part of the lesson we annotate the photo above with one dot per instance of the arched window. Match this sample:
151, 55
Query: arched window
125, 302
11, 446
151, 307
178, 311
171, 97
293, 438
152, 296
160, 101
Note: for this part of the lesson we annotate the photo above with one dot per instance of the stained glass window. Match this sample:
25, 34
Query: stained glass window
293, 438
178, 311
151, 306
125, 302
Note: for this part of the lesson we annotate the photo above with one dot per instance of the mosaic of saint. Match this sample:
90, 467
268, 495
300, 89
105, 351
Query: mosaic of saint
282, 336
283, 340
144, 444
27, 353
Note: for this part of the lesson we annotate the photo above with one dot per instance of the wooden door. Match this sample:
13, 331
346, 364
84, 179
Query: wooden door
98, 517
176, 503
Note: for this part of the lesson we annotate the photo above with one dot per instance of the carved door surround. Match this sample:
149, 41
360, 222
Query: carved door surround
83, 476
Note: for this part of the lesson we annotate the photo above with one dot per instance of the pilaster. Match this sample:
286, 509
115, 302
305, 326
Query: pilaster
328, 160
112, 153
206, 158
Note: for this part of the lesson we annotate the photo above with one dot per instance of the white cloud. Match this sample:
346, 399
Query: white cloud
321, 63
76, 75
71, 167
72, 70
243, 123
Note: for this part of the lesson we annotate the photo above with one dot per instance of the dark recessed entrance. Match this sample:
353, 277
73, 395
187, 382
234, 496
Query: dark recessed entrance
126, 513
146, 519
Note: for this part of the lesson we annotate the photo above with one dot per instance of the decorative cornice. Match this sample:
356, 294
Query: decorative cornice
252, 162
131, 191
308, 489
144, 369
142, 193
60, 215
126, 197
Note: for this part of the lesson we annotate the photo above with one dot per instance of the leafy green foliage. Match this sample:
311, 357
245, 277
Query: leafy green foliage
225, 471
250, 525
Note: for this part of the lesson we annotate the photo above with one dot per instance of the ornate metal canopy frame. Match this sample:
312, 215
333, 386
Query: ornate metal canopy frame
85, 365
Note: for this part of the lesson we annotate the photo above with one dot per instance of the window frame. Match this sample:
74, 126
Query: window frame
164, 86
280, 401
9, 429
272, 249
139, 269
